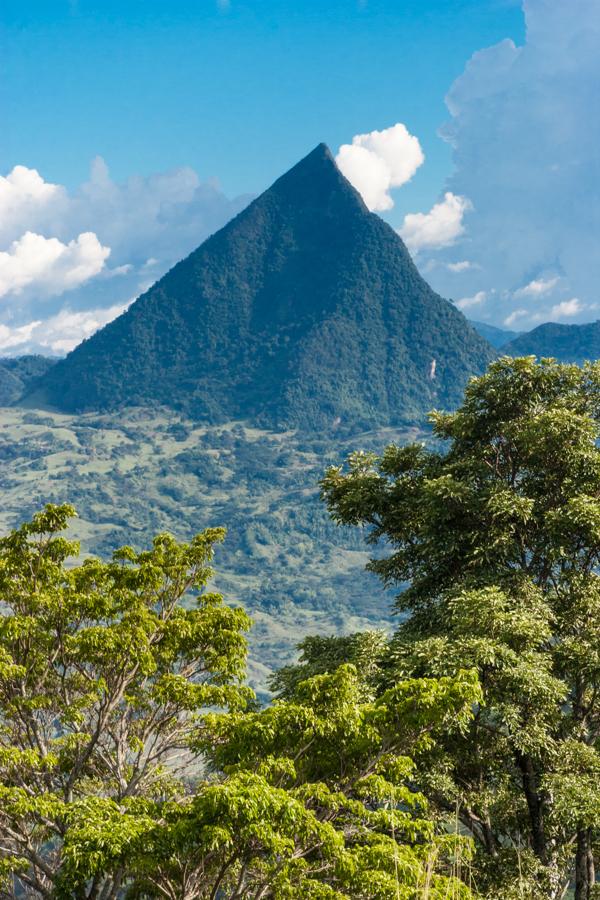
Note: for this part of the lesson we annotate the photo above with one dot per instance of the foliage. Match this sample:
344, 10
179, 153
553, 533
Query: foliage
365, 650
497, 538
120, 779
131, 476
304, 311
103, 674
315, 802
18, 374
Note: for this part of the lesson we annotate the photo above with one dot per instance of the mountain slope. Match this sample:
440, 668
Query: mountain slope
304, 311
497, 337
18, 373
567, 343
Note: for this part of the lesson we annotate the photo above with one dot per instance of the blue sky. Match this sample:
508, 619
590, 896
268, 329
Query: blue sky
130, 131
238, 91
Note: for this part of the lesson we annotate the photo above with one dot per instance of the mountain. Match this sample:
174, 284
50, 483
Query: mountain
497, 337
17, 374
567, 343
306, 310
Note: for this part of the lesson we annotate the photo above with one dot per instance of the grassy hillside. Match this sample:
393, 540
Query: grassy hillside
136, 473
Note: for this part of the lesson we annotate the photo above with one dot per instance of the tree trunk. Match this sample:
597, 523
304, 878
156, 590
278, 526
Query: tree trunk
585, 872
535, 807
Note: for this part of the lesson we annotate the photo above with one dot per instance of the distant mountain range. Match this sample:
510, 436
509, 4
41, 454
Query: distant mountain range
567, 343
306, 310
497, 337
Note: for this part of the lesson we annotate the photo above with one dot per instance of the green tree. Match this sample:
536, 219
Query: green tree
120, 779
495, 535
365, 650
103, 674
315, 801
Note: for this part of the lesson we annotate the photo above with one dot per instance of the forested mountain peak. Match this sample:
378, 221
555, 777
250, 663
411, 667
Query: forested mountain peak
305, 310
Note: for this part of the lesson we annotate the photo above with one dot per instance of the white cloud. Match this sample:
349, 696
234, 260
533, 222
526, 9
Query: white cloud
120, 270
48, 266
53, 241
515, 315
440, 227
566, 309
379, 161
476, 300
461, 266
23, 185
58, 334
16, 337
24, 195
537, 287
524, 133
368, 173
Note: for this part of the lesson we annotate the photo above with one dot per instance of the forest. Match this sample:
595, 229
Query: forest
455, 755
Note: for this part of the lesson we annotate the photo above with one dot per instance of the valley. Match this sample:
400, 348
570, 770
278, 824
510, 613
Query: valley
133, 474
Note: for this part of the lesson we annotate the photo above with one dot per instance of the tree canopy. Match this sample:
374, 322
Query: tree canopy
135, 763
458, 757
494, 535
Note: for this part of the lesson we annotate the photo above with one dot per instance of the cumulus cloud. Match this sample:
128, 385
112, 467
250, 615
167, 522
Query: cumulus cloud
58, 334
515, 315
525, 139
461, 266
379, 161
25, 198
566, 309
11, 338
476, 300
48, 266
53, 241
537, 287
440, 227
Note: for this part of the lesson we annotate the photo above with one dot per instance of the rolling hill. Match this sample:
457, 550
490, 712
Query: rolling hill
137, 472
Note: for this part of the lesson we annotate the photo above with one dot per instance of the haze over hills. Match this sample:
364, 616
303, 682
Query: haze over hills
567, 343
497, 337
305, 311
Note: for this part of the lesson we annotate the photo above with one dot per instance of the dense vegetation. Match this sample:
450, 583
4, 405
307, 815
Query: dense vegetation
498, 539
456, 758
304, 311
567, 343
136, 473
115, 781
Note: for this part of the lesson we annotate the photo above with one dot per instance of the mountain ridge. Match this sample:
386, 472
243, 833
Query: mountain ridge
566, 343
